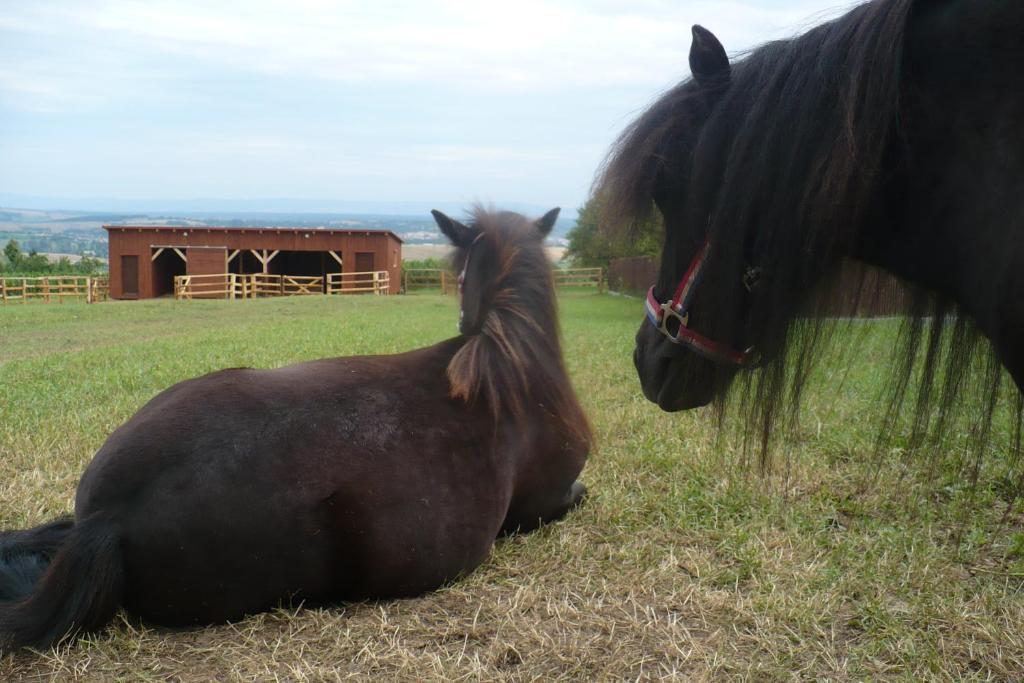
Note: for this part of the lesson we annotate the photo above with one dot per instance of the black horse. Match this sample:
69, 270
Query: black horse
892, 136
337, 479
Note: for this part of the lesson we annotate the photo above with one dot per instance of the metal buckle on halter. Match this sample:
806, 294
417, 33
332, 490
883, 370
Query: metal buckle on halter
659, 313
751, 277
668, 311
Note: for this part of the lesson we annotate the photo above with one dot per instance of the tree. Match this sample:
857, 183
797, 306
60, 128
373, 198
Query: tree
13, 253
34, 263
593, 244
89, 266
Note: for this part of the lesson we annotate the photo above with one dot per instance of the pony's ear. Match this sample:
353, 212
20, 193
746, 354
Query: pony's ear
547, 221
708, 62
458, 234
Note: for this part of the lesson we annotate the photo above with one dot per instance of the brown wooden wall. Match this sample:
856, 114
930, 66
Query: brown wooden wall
141, 242
207, 261
633, 275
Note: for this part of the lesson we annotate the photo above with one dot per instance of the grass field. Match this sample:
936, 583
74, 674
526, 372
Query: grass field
681, 563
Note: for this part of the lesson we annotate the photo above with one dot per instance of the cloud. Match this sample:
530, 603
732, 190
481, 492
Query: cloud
339, 98
527, 46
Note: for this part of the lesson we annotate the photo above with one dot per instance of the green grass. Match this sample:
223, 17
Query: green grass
682, 562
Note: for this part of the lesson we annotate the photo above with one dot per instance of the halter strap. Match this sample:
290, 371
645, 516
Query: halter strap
679, 308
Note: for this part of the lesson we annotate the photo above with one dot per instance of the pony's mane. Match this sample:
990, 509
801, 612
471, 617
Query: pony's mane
515, 363
784, 165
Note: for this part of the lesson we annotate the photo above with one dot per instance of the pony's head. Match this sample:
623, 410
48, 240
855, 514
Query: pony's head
511, 358
765, 171
688, 352
500, 259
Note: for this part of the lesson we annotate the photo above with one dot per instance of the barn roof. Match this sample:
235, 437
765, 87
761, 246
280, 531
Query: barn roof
278, 230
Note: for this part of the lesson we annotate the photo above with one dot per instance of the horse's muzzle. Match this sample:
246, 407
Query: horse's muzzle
672, 377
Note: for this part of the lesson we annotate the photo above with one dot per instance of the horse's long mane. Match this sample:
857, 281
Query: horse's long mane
515, 363
783, 167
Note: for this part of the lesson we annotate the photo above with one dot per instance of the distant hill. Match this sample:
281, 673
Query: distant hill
274, 211
76, 231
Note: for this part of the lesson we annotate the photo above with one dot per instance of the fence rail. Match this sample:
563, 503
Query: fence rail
53, 289
580, 277
378, 282
301, 285
429, 278
219, 286
261, 285
433, 278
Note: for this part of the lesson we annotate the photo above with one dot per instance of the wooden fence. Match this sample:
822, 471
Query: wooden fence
447, 282
377, 282
429, 278
301, 285
580, 277
220, 286
53, 289
261, 285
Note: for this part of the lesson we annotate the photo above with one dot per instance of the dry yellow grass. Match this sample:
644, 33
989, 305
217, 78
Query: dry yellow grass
680, 564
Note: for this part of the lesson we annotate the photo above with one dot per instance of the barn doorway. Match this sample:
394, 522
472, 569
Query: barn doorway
302, 266
166, 266
244, 262
300, 263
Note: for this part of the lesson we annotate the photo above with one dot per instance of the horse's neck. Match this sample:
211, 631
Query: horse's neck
955, 225
514, 364
952, 215
536, 344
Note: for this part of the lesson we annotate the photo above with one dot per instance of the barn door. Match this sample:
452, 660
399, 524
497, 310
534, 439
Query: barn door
130, 276
364, 264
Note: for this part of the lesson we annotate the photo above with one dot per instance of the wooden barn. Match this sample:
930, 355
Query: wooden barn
145, 260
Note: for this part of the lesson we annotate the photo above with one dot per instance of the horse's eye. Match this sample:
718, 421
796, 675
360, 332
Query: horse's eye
751, 276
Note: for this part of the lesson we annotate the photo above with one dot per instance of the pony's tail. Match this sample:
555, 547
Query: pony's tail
25, 555
58, 580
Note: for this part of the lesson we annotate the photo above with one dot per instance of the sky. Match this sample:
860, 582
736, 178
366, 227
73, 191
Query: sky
385, 101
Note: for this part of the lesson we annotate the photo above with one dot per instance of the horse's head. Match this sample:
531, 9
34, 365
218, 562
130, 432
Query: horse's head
771, 164
694, 340
497, 256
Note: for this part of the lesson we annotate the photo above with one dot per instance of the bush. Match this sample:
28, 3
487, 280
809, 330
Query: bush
16, 262
427, 264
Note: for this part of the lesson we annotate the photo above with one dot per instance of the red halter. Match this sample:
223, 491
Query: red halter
679, 308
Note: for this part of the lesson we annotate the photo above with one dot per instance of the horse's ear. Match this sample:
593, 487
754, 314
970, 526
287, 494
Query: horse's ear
708, 62
458, 234
547, 221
